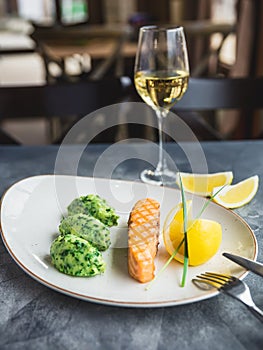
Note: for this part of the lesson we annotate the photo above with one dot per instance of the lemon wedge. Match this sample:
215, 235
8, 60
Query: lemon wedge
203, 184
204, 236
235, 196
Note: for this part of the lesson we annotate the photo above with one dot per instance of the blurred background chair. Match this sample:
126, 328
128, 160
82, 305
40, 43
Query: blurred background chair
62, 104
207, 100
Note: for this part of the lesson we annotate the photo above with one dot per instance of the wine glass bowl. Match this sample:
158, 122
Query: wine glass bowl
161, 77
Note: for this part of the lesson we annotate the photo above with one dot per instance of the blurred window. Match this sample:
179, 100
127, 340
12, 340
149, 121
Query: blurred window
74, 11
38, 10
224, 11
44, 11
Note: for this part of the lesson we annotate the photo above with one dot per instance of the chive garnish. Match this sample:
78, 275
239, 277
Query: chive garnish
185, 233
208, 202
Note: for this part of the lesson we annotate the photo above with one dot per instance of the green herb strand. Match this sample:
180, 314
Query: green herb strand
209, 201
186, 255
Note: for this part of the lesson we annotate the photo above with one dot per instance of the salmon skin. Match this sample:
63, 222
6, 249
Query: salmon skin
143, 239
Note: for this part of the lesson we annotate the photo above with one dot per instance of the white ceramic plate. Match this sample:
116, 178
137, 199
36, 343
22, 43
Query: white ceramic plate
32, 209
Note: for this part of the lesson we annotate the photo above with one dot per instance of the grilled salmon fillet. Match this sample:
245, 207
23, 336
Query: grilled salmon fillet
143, 239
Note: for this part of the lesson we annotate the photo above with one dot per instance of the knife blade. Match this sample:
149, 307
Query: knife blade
248, 264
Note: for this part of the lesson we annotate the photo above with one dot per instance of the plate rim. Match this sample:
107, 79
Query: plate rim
104, 301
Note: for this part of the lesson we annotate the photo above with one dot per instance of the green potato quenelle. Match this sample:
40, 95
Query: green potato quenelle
87, 227
75, 256
96, 206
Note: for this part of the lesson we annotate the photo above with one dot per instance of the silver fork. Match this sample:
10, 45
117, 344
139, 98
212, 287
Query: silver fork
229, 285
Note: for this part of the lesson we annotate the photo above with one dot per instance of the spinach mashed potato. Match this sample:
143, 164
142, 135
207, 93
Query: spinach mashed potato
87, 227
84, 233
75, 256
96, 206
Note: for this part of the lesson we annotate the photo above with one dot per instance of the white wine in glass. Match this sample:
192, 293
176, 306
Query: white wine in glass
161, 78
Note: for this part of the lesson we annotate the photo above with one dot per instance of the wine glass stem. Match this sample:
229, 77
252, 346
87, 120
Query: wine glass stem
162, 161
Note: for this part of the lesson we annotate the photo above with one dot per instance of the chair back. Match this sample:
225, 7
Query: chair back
60, 100
211, 94
64, 101
222, 93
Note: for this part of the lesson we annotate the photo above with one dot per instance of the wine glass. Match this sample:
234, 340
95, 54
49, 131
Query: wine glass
161, 77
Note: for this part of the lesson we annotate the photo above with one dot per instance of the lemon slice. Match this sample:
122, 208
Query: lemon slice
203, 184
204, 236
235, 196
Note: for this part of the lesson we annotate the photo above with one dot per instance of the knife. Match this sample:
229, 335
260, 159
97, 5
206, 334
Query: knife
248, 264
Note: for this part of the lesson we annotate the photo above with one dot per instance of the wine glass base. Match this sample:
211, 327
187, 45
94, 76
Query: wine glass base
154, 177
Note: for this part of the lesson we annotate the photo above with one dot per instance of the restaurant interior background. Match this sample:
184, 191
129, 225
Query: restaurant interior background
51, 41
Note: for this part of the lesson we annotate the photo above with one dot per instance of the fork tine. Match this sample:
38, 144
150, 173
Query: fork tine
210, 280
217, 280
220, 276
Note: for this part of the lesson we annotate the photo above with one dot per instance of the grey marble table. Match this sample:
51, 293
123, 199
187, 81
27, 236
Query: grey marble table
33, 316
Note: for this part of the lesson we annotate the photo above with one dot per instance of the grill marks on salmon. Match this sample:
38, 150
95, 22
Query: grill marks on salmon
143, 239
